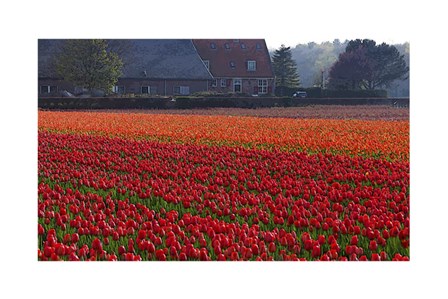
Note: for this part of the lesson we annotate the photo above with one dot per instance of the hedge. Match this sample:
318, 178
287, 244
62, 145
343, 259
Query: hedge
209, 102
317, 92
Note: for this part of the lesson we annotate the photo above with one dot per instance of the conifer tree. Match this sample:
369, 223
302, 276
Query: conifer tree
285, 70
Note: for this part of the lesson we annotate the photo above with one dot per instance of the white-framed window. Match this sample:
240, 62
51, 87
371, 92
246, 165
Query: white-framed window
48, 89
223, 83
146, 89
251, 65
232, 64
118, 89
262, 86
227, 46
236, 85
207, 64
182, 90
213, 45
214, 82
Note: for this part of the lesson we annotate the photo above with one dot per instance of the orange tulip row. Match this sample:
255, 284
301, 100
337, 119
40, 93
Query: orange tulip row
379, 139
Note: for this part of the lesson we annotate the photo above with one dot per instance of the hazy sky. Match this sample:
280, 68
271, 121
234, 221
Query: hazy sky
278, 22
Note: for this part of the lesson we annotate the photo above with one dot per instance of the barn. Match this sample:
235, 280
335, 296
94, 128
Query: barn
169, 67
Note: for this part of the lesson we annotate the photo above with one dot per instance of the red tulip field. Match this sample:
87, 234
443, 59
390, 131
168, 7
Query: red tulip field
115, 186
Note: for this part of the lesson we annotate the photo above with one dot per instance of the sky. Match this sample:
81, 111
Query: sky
279, 22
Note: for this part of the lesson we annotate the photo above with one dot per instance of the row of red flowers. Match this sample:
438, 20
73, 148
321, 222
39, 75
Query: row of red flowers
106, 198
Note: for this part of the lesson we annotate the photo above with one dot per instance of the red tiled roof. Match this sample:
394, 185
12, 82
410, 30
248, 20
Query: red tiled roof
229, 57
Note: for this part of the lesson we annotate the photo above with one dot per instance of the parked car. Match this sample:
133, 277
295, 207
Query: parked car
300, 94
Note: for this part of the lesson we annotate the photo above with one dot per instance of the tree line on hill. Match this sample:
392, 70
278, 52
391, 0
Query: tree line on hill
350, 65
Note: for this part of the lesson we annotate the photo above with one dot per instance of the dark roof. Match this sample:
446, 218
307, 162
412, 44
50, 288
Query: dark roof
143, 58
47, 50
165, 59
229, 57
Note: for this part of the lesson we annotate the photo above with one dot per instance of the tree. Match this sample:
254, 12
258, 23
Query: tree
285, 70
88, 63
365, 65
349, 71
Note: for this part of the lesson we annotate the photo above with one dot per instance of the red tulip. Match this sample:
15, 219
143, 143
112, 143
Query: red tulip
203, 255
373, 245
335, 246
221, 257
40, 230
321, 239
182, 256
353, 257
54, 257
363, 258
73, 257
375, 257
333, 254
173, 251
359, 251
325, 257
255, 249
160, 255
121, 250
112, 257
141, 234
82, 252
308, 244
97, 245
48, 251
67, 238
151, 248
60, 249
316, 251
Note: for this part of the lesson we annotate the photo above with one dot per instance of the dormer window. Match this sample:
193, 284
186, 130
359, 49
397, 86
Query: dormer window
258, 46
232, 64
213, 45
251, 65
243, 46
227, 46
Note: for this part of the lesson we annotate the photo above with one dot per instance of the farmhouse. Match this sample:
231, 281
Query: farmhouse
173, 67
238, 65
